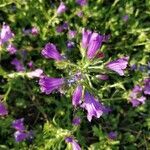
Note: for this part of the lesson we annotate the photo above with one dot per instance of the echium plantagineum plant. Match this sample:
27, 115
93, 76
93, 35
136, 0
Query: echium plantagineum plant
80, 74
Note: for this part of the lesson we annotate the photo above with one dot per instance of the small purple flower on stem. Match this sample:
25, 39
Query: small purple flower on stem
30, 64
72, 34
75, 145
18, 65
70, 44
112, 135
93, 107
5, 34
86, 35
147, 86
36, 73
62, 8
50, 51
3, 110
76, 121
34, 31
81, 2
48, 84
94, 44
11, 49
118, 65
77, 96
102, 77
136, 97
18, 124
20, 136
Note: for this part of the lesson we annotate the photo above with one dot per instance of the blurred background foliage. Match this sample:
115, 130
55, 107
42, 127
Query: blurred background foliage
50, 116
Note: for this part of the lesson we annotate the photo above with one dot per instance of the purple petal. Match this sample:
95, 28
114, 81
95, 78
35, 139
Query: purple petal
11, 49
49, 84
19, 124
86, 35
20, 136
62, 8
5, 34
94, 44
118, 65
93, 107
50, 51
77, 95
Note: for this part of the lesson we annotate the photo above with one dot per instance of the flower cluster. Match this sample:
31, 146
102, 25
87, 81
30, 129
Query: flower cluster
21, 133
137, 94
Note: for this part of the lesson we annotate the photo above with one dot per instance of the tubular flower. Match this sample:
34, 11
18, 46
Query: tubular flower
75, 145
50, 51
3, 110
86, 35
77, 95
93, 107
48, 84
118, 65
5, 34
136, 97
62, 8
94, 44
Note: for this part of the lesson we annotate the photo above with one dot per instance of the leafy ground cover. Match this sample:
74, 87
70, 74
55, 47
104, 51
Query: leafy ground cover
74, 75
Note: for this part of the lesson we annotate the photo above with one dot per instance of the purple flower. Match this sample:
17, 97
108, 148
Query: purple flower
86, 35
72, 33
18, 65
102, 77
81, 2
119, 65
49, 84
62, 8
50, 51
112, 135
20, 136
34, 31
62, 27
30, 64
147, 86
125, 18
75, 145
11, 49
3, 110
19, 124
5, 34
76, 121
94, 44
70, 44
136, 97
77, 96
36, 73
93, 107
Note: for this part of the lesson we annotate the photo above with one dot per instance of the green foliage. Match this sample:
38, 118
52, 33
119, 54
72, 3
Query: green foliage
50, 116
